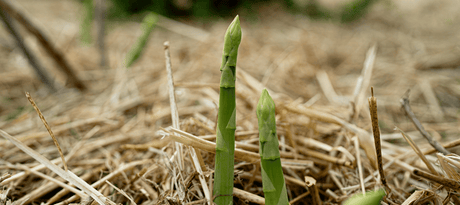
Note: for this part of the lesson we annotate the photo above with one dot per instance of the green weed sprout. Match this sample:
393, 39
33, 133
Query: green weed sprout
272, 174
226, 123
87, 21
371, 198
148, 23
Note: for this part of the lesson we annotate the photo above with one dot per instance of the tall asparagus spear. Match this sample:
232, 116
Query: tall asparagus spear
272, 174
226, 124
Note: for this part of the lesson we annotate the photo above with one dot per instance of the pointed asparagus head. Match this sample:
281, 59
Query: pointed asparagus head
267, 127
231, 42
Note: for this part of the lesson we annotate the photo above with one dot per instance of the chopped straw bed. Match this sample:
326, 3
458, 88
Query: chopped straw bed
117, 136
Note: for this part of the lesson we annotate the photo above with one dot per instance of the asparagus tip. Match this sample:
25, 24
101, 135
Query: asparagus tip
266, 103
235, 31
232, 41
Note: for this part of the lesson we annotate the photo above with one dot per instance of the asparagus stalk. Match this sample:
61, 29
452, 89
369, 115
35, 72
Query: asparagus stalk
226, 123
148, 23
272, 174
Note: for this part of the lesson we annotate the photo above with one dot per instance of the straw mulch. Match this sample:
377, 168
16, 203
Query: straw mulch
117, 137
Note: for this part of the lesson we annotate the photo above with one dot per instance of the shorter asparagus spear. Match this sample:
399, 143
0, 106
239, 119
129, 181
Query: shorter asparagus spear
272, 174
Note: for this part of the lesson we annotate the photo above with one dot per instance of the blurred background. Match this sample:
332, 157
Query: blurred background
343, 10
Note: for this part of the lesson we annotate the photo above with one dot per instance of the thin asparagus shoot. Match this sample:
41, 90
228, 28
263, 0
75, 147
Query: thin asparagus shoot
148, 23
272, 174
226, 123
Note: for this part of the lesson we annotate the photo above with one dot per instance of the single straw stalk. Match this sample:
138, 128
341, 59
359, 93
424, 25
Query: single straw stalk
272, 174
417, 151
376, 131
360, 168
47, 128
226, 123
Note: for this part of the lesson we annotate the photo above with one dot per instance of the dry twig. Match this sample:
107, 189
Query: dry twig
405, 104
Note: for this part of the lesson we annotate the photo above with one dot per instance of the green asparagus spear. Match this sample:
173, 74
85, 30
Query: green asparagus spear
226, 124
272, 174
148, 23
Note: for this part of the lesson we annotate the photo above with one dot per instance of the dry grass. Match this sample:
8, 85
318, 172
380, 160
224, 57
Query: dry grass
111, 135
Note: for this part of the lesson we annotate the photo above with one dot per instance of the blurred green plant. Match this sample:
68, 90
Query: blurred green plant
310, 8
371, 198
147, 25
204, 9
87, 21
15, 114
349, 12
354, 10
197, 8
125, 8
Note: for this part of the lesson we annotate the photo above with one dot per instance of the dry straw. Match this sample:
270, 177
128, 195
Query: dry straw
47, 128
68, 175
